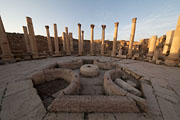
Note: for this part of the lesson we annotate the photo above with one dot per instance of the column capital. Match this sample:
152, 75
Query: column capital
24, 27
154, 36
79, 25
103, 26
92, 26
82, 31
55, 24
47, 27
116, 24
134, 20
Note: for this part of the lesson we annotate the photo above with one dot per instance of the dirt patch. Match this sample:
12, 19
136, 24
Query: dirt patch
47, 89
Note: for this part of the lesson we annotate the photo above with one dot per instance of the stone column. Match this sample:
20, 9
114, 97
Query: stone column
56, 42
68, 51
7, 55
64, 41
26, 39
115, 39
103, 38
71, 42
157, 42
82, 41
92, 40
169, 38
132, 36
32, 38
49, 40
173, 58
79, 40
152, 45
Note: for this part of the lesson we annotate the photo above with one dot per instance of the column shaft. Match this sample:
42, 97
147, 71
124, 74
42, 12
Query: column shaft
152, 45
64, 41
71, 42
103, 38
56, 42
49, 40
79, 39
68, 51
92, 40
7, 55
26, 39
32, 38
132, 36
82, 41
115, 39
173, 58
168, 42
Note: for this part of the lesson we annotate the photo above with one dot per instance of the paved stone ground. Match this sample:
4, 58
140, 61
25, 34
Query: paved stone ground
19, 99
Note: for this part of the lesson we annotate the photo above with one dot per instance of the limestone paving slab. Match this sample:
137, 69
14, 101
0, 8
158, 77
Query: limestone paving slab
20, 104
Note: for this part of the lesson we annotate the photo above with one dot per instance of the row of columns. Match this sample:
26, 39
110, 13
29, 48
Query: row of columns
31, 42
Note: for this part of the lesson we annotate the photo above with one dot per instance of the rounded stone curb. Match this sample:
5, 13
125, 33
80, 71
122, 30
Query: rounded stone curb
95, 103
105, 65
73, 64
112, 89
89, 70
52, 74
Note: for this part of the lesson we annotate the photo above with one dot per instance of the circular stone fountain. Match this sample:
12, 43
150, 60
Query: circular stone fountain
89, 70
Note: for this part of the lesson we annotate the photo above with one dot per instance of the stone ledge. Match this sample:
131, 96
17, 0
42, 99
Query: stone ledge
96, 103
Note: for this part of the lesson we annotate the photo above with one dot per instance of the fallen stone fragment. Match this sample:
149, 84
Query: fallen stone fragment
127, 87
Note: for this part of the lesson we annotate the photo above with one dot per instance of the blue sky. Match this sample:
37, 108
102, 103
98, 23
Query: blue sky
154, 17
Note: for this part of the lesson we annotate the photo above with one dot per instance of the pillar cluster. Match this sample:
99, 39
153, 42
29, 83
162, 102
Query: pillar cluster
156, 49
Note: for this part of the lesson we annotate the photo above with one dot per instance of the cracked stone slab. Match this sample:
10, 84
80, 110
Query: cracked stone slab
18, 86
101, 116
20, 104
132, 116
64, 116
167, 109
153, 107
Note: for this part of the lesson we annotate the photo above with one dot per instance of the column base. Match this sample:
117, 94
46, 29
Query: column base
172, 61
113, 55
58, 55
122, 56
8, 58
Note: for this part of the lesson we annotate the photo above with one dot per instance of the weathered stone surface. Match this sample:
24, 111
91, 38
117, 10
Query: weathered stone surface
153, 107
91, 90
23, 103
101, 116
167, 109
74, 64
64, 116
18, 86
37, 114
89, 70
142, 104
131, 83
105, 65
93, 104
127, 87
38, 78
131, 116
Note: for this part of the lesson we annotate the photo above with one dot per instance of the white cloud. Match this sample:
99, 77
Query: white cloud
155, 24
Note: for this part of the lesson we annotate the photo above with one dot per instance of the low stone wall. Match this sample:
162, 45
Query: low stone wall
98, 103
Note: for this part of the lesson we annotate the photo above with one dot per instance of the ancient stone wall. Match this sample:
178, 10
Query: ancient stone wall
17, 44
